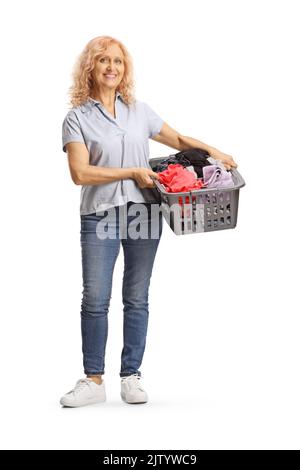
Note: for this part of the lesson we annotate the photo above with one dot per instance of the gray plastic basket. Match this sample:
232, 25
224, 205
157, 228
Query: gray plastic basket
201, 210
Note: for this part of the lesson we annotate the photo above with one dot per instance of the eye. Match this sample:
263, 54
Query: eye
104, 58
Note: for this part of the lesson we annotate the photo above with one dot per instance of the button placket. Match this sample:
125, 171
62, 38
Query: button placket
123, 152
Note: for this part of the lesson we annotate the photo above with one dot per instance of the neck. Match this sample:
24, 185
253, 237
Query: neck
107, 97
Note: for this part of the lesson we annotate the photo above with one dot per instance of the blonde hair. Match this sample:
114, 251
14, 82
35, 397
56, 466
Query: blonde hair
82, 77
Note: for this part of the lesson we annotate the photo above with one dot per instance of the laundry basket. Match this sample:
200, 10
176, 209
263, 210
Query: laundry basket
201, 210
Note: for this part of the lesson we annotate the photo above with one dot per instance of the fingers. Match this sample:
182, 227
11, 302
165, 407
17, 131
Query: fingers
155, 175
228, 167
147, 181
150, 182
232, 163
229, 163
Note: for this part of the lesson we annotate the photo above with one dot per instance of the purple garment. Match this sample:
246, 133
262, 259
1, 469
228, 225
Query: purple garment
216, 177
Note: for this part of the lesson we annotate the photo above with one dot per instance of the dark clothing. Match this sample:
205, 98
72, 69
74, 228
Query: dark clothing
195, 157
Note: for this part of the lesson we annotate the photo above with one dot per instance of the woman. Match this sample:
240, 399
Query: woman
105, 135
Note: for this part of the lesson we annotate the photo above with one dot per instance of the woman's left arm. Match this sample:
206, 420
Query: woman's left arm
172, 138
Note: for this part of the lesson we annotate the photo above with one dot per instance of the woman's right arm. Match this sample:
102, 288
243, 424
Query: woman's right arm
82, 173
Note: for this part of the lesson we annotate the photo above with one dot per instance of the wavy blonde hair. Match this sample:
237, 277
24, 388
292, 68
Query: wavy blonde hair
82, 71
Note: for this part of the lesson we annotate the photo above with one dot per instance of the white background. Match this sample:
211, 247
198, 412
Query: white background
221, 365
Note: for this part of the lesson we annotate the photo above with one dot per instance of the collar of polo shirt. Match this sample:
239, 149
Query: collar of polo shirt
91, 102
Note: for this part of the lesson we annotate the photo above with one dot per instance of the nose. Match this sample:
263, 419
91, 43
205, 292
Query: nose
109, 67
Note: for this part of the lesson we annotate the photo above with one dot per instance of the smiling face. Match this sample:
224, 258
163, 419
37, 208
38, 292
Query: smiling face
109, 68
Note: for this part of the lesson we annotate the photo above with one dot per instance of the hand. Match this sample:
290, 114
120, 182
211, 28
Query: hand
143, 177
227, 160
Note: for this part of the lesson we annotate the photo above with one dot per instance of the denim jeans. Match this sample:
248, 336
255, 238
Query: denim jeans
99, 254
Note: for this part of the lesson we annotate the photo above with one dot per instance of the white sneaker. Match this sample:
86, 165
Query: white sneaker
132, 390
85, 392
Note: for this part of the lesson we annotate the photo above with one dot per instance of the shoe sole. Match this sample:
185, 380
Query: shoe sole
90, 402
132, 402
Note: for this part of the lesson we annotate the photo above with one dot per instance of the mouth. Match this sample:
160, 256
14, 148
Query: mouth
110, 75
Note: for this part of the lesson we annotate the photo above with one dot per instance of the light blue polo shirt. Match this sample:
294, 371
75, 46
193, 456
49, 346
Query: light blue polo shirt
120, 142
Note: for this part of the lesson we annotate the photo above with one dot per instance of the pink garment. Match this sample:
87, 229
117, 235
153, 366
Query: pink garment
215, 177
176, 179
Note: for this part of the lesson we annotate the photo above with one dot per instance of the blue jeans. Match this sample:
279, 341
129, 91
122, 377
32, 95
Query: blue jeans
101, 237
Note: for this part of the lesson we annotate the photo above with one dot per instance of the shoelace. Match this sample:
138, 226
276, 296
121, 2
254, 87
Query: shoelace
134, 380
80, 385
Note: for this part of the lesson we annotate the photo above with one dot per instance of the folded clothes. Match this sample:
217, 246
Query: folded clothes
172, 159
215, 177
216, 162
177, 178
198, 158
191, 169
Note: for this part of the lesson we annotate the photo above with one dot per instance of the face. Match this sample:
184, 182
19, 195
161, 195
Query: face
109, 68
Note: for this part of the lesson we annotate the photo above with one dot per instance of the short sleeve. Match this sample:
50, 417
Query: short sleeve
71, 131
154, 121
